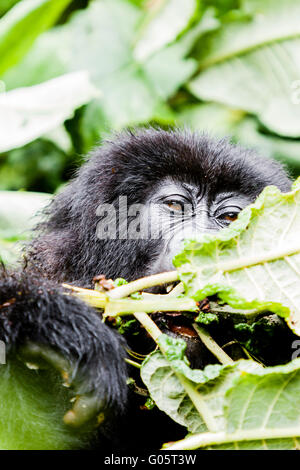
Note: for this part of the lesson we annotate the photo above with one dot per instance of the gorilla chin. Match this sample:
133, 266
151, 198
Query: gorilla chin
175, 183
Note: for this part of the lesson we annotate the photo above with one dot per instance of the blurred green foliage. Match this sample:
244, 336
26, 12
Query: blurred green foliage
230, 67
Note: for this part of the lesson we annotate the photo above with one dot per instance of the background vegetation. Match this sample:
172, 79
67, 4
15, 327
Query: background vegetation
227, 66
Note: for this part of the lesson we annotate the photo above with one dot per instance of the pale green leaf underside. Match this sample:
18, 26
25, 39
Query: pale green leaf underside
269, 21
255, 263
20, 211
30, 112
164, 27
171, 397
254, 66
261, 411
252, 407
221, 120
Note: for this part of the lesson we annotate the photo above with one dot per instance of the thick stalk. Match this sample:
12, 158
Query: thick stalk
209, 439
194, 395
143, 283
214, 348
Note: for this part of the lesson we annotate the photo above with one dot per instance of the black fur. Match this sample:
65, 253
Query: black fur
67, 249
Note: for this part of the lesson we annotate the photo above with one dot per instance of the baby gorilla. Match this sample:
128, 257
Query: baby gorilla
174, 184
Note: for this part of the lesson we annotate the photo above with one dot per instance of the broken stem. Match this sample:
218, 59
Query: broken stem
143, 283
213, 347
190, 389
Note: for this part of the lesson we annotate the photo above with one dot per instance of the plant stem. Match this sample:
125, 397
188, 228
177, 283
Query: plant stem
116, 307
212, 345
197, 401
93, 297
206, 439
179, 289
132, 363
143, 283
259, 258
148, 324
190, 389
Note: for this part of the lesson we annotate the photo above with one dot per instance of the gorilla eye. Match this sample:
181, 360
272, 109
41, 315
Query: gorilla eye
230, 216
175, 206
177, 203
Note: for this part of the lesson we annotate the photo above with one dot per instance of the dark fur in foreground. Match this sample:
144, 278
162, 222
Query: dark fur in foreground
68, 250
39, 310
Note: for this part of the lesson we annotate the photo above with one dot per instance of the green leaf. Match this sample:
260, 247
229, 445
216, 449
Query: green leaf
255, 262
168, 68
23, 24
251, 406
19, 212
6, 5
160, 375
101, 39
28, 113
260, 409
32, 406
253, 65
45, 60
171, 18
221, 120
38, 164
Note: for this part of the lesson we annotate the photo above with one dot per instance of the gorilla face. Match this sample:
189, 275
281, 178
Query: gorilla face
175, 184
176, 211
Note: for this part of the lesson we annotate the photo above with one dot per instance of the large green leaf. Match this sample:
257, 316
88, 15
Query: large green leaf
101, 40
168, 68
253, 65
28, 113
221, 120
250, 407
162, 375
164, 26
23, 24
32, 406
254, 263
6, 5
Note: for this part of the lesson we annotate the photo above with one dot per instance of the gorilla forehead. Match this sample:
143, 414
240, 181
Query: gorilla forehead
135, 161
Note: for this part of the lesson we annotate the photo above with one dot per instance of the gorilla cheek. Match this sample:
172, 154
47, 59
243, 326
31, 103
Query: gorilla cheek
168, 250
176, 244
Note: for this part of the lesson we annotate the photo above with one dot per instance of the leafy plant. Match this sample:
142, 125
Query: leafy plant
23, 24
50, 104
251, 65
233, 407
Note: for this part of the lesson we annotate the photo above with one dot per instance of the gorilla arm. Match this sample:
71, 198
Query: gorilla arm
41, 324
